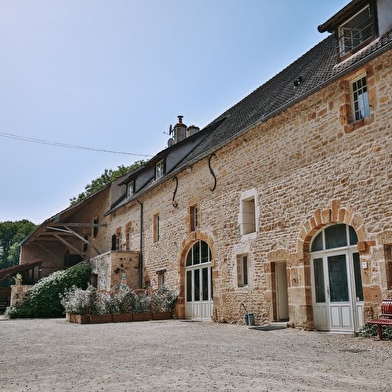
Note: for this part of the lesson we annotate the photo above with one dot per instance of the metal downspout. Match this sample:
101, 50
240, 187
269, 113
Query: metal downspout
141, 246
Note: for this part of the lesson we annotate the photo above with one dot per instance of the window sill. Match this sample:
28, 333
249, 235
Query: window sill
348, 128
249, 236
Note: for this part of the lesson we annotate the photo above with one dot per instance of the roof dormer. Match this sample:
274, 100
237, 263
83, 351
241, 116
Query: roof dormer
355, 26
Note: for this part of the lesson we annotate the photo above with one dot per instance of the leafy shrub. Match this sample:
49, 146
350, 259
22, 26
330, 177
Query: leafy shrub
143, 302
126, 300
370, 330
78, 301
163, 300
105, 303
44, 298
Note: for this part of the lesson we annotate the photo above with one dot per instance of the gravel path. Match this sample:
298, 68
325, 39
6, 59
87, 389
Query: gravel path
54, 355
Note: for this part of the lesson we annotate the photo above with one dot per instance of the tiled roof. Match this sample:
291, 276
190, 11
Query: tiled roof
311, 72
317, 67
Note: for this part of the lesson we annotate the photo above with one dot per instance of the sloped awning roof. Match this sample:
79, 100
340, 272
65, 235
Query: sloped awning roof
10, 271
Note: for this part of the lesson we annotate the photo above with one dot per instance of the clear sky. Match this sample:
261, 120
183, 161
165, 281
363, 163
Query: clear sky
113, 75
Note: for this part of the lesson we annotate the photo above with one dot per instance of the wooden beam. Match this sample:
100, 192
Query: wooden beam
70, 246
84, 240
61, 230
76, 224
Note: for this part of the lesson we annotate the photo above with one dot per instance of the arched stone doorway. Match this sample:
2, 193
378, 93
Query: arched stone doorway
337, 292
198, 282
332, 258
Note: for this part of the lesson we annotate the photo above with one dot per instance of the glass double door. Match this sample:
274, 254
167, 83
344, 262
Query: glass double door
337, 292
199, 292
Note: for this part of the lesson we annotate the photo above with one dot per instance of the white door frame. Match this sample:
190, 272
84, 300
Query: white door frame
200, 305
338, 316
198, 282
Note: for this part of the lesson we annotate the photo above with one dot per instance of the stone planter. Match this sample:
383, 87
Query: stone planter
122, 317
100, 318
78, 318
144, 316
162, 315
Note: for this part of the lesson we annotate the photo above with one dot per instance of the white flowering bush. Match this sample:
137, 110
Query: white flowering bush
163, 299
126, 300
123, 300
105, 303
143, 303
45, 296
78, 301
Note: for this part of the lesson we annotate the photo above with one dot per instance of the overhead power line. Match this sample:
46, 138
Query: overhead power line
65, 145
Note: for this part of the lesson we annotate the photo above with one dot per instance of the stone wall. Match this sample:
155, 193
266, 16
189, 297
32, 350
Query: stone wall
308, 167
109, 268
19, 294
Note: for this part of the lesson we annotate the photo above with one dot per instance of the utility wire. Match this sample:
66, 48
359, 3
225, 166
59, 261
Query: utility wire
65, 145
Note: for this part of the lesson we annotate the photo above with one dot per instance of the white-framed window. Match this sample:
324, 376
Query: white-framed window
388, 264
130, 189
155, 228
360, 98
160, 169
242, 271
194, 218
249, 216
355, 30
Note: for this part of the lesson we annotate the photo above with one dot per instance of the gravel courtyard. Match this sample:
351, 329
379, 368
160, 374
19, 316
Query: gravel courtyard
55, 355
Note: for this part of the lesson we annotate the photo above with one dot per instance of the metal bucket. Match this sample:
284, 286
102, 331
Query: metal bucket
249, 319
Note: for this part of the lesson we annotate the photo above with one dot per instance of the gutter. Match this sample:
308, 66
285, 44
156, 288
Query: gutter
141, 246
277, 111
272, 114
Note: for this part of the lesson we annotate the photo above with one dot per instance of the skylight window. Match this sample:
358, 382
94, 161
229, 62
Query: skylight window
160, 169
355, 31
130, 189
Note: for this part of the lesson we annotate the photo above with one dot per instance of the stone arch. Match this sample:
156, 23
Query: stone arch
186, 244
333, 215
193, 237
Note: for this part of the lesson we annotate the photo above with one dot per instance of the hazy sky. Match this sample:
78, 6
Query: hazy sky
113, 75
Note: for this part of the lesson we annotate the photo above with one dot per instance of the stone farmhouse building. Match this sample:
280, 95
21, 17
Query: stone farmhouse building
282, 206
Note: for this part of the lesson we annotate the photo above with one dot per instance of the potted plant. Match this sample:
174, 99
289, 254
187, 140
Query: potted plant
162, 303
103, 308
77, 303
18, 279
18, 282
125, 300
142, 311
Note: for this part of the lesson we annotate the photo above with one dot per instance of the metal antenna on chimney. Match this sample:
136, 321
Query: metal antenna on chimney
170, 130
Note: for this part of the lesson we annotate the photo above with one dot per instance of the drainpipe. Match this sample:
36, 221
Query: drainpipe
141, 246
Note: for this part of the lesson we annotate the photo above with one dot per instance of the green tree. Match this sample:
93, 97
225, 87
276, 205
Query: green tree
11, 234
106, 177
